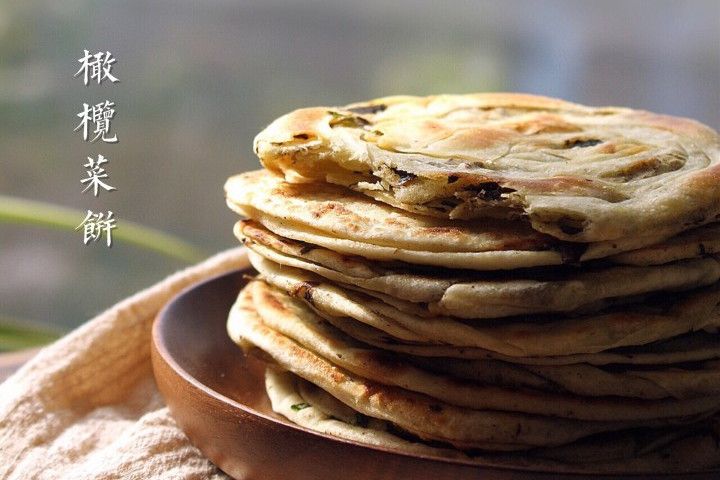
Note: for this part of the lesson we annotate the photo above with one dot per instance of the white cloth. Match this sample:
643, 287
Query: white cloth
87, 406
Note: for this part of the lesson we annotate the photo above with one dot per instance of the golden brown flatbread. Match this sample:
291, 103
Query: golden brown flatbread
578, 173
655, 451
294, 320
463, 295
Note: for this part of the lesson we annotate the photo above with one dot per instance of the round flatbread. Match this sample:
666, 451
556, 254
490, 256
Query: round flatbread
685, 380
419, 414
347, 222
292, 319
482, 295
515, 337
312, 408
690, 347
660, 451
578, 173
695, 243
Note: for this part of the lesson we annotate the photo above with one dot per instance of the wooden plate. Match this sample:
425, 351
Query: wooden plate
217, 396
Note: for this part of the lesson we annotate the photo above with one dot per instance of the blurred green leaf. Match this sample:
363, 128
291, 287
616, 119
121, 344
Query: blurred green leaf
42, 214
18, 334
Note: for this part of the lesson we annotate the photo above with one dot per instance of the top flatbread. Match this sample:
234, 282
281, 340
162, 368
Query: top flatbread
579, 173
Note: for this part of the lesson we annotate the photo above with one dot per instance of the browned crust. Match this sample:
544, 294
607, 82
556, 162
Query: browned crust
441, 159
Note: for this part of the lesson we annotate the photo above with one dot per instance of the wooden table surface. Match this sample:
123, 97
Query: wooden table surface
11, 361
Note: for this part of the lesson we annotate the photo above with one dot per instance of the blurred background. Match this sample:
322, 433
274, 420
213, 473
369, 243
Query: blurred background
199, 79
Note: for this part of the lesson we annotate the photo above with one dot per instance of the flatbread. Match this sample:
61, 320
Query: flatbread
690, 347
351, 223
691, 448
292, 319
516, 337
419, 414
654, 382
578, 173
698, 242
482, 295
295, 399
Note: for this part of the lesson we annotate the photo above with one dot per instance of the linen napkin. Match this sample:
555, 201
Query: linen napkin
87, 406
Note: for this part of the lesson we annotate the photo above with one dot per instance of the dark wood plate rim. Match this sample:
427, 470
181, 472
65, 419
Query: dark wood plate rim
161, 349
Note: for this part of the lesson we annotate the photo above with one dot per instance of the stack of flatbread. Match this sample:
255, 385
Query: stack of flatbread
505, 278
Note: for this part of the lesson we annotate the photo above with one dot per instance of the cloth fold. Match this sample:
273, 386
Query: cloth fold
87, 406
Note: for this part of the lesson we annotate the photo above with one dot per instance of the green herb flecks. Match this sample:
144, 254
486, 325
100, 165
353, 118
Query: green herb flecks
347, 120
300, 406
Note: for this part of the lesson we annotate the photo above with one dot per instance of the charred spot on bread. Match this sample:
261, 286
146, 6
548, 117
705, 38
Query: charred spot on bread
582, 143
365, 109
